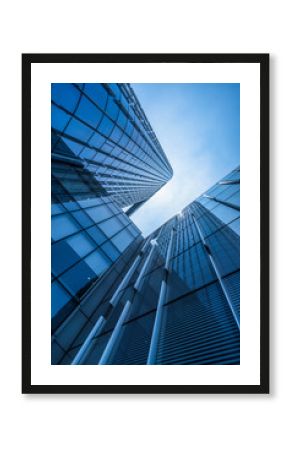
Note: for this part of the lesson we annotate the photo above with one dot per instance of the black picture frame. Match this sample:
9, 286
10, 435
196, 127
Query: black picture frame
27, 61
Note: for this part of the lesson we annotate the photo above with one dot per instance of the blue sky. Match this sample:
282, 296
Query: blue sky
198, 126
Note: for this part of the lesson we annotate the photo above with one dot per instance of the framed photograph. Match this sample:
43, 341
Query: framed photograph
140, 275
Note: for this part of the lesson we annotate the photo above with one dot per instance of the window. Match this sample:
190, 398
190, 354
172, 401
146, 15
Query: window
99, 213
112, 108
106, 126
62, 225
96, 234
111, 226
62, 257
82, 218
59, 297
225, 213
97, 140
77, 278
98, 262
81, 244
89, 112
110, 250
59, 118
78, 130
97, 93
122, 240
65, 94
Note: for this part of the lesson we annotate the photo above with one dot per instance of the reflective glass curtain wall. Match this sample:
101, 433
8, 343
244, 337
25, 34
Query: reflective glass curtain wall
105, 157
179, 298
105, 126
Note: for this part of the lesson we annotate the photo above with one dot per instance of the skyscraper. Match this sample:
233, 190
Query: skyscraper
106, 162
171, 298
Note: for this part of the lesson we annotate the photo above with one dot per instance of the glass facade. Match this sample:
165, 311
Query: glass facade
172, 298
106, 162
105, 127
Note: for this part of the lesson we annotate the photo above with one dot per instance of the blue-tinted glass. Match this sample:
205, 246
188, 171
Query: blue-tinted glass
99, 213
235, 225
65, 94
98, 262
116, 90
122, 120
62, 257
122, 239
106, 126
88, 153
71, 205
59, 118
76, 278
73, 146
57, 208
235, 199
110, 250
97, 93
225, 213
81, 244
62, 225
97, 235
227, 191
111, 226
59, 297
79, 130
112, 108
116, 134
82, 218
97, 140
88, 112
88, 202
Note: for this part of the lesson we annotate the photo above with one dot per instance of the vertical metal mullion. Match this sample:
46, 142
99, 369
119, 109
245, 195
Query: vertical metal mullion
152, 354
114, 338
101, 321
218, 275
139, 280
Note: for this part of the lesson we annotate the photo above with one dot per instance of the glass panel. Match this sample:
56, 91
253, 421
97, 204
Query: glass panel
225, 213
97, 140
59, 118
106, 126
112, 108
77, 278
122, 240
62, 225
57, 208
62, 257
59, 297
82, 218
235, 225
97, 93
110, 250
99, 213
65, 94
81, 244
96, 234
78, 130
73, 146
111, 226
89, 112
98, 262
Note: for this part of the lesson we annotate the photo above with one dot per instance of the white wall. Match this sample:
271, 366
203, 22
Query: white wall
203, 422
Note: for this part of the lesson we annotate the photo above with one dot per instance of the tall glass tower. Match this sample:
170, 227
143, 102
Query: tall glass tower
106, 162
105, 127
172, 298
